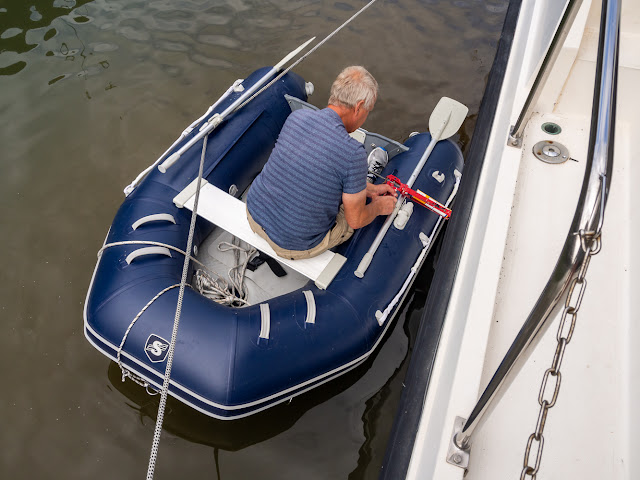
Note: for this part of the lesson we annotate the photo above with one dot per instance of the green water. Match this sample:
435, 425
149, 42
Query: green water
91, 92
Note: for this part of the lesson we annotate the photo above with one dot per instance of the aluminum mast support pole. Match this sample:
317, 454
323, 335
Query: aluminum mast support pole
585, 227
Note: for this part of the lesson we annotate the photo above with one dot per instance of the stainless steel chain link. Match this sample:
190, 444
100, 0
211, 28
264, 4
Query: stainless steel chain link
591, 243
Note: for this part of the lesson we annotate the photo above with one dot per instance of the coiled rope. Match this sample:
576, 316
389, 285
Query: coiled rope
237, 272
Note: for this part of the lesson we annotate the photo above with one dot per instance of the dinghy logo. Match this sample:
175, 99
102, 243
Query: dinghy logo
156, 348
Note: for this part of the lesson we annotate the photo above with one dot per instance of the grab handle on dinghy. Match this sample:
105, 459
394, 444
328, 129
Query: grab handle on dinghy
156, 217
311, 307
265, 321
140, 252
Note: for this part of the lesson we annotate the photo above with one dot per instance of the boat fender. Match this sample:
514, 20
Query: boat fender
311, 307
438, 176
265, 321
403, 216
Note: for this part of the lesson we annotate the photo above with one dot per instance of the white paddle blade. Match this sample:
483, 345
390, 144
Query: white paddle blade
451, 114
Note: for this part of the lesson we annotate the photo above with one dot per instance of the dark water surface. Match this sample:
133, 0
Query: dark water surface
91, 92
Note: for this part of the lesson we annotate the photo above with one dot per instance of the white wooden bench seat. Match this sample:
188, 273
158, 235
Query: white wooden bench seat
229, 213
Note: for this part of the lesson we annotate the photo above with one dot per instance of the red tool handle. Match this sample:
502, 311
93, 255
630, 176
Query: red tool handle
424, 200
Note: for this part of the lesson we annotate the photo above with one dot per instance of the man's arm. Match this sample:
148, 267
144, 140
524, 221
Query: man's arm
359, 213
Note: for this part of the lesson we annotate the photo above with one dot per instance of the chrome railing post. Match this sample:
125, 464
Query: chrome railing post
587, 222
515, 134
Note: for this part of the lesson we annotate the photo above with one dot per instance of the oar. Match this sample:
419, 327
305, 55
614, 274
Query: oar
217, 119
445, 120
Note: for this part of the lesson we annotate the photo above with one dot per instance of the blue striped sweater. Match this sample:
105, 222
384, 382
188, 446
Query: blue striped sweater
298, 194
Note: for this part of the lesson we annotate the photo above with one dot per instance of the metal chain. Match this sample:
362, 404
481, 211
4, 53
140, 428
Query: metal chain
591, 243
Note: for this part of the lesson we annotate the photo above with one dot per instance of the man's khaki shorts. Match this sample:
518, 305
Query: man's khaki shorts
340, 233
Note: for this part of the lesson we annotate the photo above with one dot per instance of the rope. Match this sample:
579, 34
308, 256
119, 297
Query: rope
126, 373
149, 242
176, 323
237, 272
216, 288
284, 72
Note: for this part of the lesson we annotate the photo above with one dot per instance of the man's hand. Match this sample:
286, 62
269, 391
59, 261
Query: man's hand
359, 213
384, 204
381, 189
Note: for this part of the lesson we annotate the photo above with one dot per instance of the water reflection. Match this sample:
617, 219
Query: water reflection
82, 38
230, 435
24, 28
206, 33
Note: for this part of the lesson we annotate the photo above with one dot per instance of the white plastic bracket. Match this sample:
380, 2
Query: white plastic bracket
157, 217
147, 251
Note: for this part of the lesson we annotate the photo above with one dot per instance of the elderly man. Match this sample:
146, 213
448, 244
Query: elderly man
312, 193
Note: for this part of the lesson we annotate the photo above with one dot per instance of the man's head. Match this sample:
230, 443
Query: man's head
355, 91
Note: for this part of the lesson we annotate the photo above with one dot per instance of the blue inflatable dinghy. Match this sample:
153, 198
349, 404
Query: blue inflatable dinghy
249, 339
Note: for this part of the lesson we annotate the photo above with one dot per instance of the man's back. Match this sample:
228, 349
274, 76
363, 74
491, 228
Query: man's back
298, 194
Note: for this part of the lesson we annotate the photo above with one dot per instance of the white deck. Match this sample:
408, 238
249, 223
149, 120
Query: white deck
520, 220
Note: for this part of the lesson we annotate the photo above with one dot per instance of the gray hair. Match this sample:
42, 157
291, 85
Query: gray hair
354, 84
